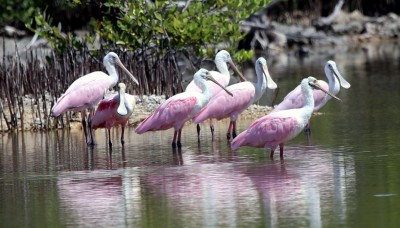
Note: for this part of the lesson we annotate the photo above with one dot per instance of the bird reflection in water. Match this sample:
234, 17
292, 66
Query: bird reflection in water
177, 156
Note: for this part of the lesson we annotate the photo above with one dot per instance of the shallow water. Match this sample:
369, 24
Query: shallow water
347, 174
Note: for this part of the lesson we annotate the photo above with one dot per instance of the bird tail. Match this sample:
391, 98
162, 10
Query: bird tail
239, 140
144, 126
58, 108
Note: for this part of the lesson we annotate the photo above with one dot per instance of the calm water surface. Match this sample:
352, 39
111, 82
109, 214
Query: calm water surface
346, 175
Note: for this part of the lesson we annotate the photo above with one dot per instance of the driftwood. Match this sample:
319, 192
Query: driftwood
325, 21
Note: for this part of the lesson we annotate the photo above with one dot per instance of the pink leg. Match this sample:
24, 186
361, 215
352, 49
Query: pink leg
281, 150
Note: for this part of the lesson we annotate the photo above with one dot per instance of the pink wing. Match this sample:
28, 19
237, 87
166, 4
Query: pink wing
174, 112
85, 92
295, 99
223, 105
268, 131
104, 116
220, 78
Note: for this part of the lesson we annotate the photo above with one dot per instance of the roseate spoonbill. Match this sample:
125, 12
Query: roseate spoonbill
294, 99
222, 58
87, 91
114, 110
246, 93
281, 126
175, 111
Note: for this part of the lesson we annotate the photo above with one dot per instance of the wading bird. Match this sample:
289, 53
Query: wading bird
246, 93
175, 111
114, 110
281, 126
222, 59
87, 91
294, 99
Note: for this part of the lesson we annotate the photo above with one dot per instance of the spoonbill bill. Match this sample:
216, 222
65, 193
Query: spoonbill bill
222, 59
114, 110
294, 99
245, 93
175, 111
87, 91
281, 126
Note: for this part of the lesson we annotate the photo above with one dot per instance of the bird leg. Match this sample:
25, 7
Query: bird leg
91, 112
281, 150
198, 132
212, 129
174, 139
307, 129
122, 135
109, 138
83, 114
234, 130
228, 134
271, 155
178, 143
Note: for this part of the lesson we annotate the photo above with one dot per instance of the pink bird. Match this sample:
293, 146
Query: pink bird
279, 127
222, 77
87, 91
114, 110
245, 93
295, 99
175, 111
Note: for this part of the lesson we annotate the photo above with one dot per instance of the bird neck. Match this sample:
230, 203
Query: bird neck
113, 73
261, 85
308, 105
122, 109
205, 90
222, 67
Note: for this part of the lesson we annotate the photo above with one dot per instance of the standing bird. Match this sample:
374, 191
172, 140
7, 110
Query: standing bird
222, 77
114, 110
87, 91
175, 111
245, 93
279, 127
295, 99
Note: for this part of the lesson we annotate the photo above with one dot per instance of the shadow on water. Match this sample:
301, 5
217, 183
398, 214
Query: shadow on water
345, 175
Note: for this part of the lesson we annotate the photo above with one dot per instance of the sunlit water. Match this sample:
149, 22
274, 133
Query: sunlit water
346, 175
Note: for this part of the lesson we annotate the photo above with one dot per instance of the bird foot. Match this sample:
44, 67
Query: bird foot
228, 136
307, 131
179, 144
91, 143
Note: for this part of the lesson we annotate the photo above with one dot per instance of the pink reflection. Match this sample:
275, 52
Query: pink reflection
90, 199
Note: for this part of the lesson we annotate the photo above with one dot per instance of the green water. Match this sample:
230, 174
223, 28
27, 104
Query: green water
346, 175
